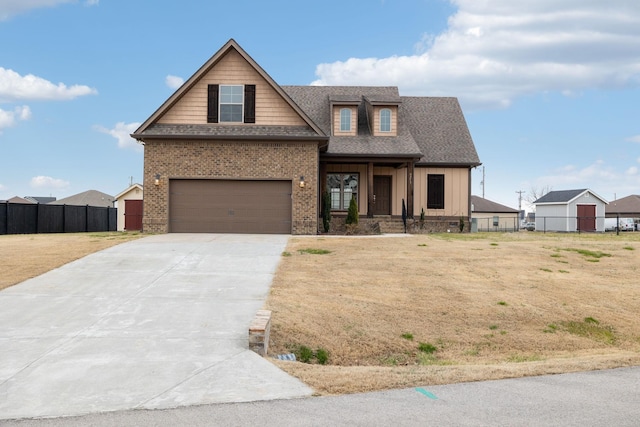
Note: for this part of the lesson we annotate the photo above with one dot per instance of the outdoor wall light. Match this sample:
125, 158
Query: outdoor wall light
302, 182
157, 181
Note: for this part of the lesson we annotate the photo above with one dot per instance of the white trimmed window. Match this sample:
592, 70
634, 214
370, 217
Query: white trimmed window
385, 120
345, 120
231, 103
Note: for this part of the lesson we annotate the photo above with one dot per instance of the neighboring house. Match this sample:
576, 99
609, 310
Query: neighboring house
233, 151
87, 198
627, 207
129, 203
492, 216
570, 210
16, 199
40, 199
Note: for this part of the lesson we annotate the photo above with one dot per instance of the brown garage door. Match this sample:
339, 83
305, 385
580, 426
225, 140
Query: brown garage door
229, 206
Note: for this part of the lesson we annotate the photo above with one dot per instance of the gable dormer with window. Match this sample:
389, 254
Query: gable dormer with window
383, 115
344, 115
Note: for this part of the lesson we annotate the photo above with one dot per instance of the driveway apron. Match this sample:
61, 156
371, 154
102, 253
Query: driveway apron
154, 323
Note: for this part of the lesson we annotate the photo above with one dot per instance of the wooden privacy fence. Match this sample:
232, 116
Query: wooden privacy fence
28, 218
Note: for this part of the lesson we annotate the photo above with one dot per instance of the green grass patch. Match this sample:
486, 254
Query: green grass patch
548, 270
285, 253
562, 271
493, 327
427, 348
407, 336
502, 303
313, 251
589, 254
591, 328
629, 248
422, 244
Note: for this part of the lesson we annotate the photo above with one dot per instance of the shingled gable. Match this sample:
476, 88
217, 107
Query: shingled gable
150, 128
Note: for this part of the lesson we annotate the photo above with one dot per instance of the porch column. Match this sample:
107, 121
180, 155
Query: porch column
370, 196
410, 189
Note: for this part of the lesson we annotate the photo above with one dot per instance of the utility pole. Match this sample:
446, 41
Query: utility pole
520, 199
520, 202
482, 182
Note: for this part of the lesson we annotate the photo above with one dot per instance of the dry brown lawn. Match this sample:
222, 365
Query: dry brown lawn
480, 306
487, 306
23, 256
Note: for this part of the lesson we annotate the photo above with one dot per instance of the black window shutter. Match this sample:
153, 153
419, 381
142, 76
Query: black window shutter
212, 104
249, 103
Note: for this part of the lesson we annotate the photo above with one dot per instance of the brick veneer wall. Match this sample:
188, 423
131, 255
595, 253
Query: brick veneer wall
230, 160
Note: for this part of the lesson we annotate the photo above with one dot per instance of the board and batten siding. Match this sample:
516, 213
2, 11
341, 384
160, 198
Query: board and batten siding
271, 108
456, 186
456, 191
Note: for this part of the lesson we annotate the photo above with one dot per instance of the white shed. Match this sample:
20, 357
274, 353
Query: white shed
129, 203
570, 211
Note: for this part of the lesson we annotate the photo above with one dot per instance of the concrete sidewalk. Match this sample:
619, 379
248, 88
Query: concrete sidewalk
160, 322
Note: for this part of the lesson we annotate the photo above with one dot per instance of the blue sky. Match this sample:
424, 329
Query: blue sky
550, 88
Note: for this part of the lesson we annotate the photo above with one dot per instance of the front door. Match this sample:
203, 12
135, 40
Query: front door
381, 195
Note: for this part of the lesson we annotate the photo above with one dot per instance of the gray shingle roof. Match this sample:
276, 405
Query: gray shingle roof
440, 129
561, 196
228, 131
89, 197
429, 128
484, 205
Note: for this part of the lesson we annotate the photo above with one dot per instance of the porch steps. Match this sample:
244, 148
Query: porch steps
391, 226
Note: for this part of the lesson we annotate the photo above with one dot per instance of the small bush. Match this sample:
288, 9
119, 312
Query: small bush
322, 356
326, 211
304, 354
352, 213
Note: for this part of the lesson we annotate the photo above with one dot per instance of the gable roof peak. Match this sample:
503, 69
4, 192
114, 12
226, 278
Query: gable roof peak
210, 63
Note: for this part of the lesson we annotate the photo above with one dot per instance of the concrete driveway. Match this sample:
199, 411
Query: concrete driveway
160, 322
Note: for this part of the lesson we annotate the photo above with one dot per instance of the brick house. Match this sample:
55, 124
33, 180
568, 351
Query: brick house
233, 151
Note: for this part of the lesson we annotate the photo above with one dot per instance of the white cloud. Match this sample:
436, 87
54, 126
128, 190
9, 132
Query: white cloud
173, 82
634, 139
10, 8
600, 177
14, 87
47, 182
122, 132
9, 118
494, 51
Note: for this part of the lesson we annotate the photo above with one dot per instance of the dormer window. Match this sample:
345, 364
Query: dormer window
385, 120
345, 120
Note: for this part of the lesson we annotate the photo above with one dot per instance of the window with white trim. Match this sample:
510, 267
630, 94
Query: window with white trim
231, 103
385, 120
345, 120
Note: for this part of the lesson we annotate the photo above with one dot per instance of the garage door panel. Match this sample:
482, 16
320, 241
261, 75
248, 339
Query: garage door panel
230, 206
